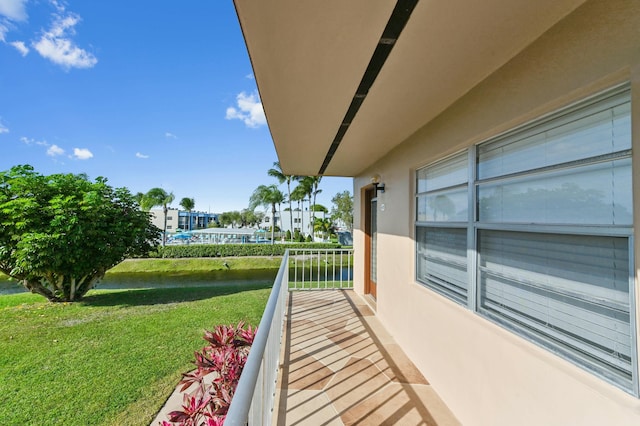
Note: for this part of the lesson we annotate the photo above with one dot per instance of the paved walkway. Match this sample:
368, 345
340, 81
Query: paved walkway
341, 367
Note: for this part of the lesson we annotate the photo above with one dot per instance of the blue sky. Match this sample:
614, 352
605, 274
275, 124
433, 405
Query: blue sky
144, 93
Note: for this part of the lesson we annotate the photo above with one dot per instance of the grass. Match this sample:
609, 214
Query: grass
201, 264
111, 359
205, 264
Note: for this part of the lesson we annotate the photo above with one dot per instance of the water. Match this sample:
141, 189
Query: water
167, 280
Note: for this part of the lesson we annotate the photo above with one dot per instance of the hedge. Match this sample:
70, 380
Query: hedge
228, 250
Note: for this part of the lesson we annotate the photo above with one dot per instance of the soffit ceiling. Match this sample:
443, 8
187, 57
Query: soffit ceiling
309, 57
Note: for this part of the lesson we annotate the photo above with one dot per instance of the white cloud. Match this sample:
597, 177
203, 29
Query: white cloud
250, 76
170, 135
54, 150
249, 110
30, 141
57, 5
141, 155
3, 128
3, 31
13, 10
57, 45
20, 46
82, 153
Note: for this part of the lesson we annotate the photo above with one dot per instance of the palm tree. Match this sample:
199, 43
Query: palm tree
299, 194
188, 204
158, 197
310, 184
277, 173
324, 226
267, 195
139, 196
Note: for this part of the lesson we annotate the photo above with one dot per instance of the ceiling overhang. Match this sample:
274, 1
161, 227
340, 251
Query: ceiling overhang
310, 60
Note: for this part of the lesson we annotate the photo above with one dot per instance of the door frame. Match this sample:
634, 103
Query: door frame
370, 286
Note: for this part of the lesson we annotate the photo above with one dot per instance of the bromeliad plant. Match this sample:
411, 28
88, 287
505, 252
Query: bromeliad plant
221, 362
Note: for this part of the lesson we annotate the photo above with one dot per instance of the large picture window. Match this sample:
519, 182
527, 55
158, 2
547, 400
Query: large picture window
547, 218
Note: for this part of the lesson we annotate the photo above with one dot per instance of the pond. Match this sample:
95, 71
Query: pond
168, 279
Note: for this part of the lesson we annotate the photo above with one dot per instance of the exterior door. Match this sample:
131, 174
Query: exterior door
371, 214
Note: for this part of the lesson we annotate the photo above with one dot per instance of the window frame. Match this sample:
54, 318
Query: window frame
600, 101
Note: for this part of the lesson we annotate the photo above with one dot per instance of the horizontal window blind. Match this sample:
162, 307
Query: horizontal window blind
442, 261
570, 291
601, 126
598, 194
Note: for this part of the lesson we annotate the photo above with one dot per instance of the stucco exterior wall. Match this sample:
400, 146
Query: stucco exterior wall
486, 374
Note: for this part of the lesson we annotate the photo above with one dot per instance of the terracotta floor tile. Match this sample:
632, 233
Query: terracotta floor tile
358, 345
357, 381
341, 365
308, 374
306, 329
399, 404
325, 351
309, 408
397, 366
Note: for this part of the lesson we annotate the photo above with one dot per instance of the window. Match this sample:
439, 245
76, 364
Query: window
539, 239
442, 216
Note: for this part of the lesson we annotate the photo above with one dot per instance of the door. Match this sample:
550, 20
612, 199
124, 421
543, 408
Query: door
370, 242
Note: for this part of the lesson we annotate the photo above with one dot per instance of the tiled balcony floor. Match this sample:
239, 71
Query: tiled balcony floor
341, 367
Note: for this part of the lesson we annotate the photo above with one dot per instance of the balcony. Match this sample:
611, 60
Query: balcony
340, 366
321, 357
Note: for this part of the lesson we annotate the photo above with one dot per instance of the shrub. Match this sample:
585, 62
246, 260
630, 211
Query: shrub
231, 250
223, 358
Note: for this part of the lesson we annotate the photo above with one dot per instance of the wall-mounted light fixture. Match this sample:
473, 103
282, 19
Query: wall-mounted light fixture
379, 186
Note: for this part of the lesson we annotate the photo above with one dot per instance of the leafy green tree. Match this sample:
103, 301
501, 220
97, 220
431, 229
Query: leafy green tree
267, 195
320, 208
250, 218
343, 208
277, 173
236, 219
188, 204
59, 234
225, 219
157, 197
323, 226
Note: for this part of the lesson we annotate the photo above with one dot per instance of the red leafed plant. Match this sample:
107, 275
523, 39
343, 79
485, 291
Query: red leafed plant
221, 363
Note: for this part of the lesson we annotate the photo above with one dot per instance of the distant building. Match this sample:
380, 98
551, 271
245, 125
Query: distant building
301, 221
182, 220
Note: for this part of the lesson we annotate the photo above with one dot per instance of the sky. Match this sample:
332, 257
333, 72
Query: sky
144, 93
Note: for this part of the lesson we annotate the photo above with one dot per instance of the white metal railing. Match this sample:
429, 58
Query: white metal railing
253, 400
320, 269
301, 269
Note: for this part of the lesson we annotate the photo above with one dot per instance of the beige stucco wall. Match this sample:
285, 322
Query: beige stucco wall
487, 375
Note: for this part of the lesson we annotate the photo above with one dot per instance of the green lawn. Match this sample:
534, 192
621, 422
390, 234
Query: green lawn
201, 264
111, 359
